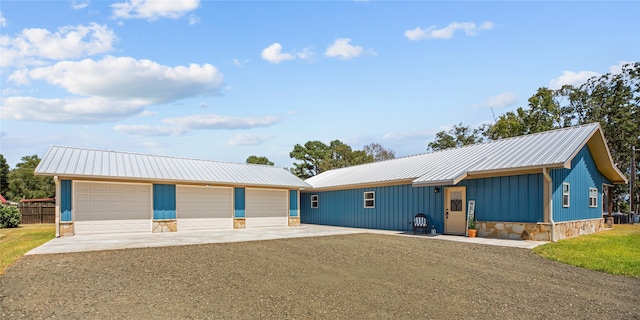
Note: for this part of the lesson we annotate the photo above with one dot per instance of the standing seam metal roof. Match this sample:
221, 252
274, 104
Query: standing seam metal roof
79, 162
550, 149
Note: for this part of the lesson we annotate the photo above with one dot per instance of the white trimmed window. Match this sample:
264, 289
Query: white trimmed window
314, 201
593, 197
566, 194
369, 199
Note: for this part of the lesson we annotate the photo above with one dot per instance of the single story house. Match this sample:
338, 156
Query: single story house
100, 191
544, 186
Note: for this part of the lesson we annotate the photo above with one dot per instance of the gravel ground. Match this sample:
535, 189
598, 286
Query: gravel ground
353, 276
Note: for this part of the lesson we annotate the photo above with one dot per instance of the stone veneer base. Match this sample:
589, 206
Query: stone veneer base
66, 229
539, 231
164, 226
294, 221
239, 223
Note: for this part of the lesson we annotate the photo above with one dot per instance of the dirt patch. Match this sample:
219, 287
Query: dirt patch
352, 276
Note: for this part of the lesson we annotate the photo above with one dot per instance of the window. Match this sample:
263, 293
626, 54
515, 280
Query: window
565, 195
369, 199
314, 201
593, 197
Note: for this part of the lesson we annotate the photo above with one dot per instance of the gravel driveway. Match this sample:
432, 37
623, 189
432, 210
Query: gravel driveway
360, 276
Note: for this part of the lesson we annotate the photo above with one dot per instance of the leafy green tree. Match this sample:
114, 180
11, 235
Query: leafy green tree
259, 160
378, 152
317, 157
460, 135
311, 154
23, 184
4, 176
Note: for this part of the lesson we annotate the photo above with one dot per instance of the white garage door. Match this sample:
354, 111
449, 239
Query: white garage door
103, 207
265, 208
200, 208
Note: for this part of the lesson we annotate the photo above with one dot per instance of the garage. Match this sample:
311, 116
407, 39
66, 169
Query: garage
266, 207
201, 207
109, 207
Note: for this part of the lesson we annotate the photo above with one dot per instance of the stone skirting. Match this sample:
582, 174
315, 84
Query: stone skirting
239, 223
164, 226
66, 229
515, 230
570, 229
294, 221
539, 231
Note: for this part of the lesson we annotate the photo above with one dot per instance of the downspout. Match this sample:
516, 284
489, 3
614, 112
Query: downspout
548, 180
57, 209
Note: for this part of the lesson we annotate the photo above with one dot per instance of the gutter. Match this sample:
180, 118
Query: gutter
547, 178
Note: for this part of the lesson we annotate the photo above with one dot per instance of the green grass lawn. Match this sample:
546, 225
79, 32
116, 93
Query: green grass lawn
615, 251
15, 242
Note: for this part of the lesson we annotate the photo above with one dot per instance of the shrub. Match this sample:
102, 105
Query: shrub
9, 217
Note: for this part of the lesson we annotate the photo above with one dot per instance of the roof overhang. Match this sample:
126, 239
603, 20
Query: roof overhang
601, 156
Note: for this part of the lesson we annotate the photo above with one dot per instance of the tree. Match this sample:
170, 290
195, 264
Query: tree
259, 160
311, 154
459, 136
378, 152
4, 176
23, 184
318, 157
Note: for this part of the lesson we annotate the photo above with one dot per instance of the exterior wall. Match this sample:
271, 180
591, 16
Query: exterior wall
164, 201
570, 229
395, 207
294, 212
510, 198
66, 202
239, 221
582, 176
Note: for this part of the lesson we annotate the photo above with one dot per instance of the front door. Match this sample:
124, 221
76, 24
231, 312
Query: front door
455, 199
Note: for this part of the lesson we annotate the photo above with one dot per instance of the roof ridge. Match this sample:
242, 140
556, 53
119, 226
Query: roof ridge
160, 156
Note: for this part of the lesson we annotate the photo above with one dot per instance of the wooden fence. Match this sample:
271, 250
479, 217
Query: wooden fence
39, 212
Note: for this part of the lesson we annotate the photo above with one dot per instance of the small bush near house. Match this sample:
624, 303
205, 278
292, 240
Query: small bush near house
9, 217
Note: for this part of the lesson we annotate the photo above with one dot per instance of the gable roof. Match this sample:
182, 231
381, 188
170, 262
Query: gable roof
90, 163
517, 155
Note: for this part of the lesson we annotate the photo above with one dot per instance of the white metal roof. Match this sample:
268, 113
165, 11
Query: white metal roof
551, 149
89, 163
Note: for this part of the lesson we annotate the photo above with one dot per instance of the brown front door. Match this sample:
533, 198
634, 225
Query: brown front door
455, 199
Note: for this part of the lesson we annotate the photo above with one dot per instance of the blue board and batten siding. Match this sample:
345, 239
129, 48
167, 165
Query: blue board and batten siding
517, 198
293, 203
583, 175
164, 201
511, 198
238, 202
395, 207
66, 200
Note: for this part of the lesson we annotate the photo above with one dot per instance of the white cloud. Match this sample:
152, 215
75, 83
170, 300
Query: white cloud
343, 49
469, 28
193, 19
571, 78
33, 45
147, 130
273, 54
73, 110
409, 135
502, 100
246, 139
218, 122
153, 10
617, 68
125, 78
79, 5
306, 54
3, 21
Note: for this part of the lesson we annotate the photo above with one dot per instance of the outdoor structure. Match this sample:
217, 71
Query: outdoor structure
101, 191
544, 186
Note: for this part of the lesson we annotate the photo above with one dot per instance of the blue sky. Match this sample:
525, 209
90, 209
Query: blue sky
224, 80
